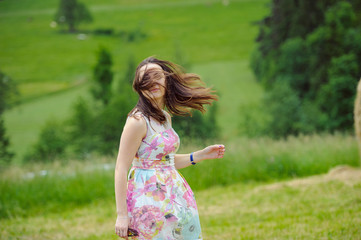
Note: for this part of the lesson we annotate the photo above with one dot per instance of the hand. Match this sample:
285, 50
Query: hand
121, 226
213, 151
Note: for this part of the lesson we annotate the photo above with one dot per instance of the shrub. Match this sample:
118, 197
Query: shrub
81, 129
197, 127
51, 144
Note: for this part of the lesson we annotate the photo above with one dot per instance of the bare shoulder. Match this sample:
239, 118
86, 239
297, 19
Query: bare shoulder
136, 124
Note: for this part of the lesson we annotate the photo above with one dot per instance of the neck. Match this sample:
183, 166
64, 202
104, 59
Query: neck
160, 103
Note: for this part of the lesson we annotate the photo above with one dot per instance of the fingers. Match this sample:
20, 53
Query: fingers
214, 151
121, 227
221, 150
122, 232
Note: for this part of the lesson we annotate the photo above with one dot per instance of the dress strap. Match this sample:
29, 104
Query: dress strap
149, 126
167, 120
152, 125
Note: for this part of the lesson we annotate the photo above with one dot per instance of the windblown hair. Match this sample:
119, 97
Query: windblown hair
183, 91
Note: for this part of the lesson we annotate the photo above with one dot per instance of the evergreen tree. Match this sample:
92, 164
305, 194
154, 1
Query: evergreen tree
71, 13
102, 77
81, 128
8, 92
129, 73
5, 154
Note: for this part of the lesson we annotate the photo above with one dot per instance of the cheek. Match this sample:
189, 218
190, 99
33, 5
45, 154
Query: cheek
164, 84
163, 89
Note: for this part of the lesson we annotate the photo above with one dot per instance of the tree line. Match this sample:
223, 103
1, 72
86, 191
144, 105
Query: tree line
308, 59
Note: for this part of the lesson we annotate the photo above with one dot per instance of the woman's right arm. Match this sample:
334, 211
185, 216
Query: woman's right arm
134, 131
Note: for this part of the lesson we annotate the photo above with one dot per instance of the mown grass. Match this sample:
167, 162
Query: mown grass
36, 53
69, 184
320, 207
316, 208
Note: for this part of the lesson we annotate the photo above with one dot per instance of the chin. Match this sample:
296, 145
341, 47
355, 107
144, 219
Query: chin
158, 95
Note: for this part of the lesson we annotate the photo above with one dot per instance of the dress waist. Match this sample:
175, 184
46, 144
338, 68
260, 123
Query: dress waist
165, 163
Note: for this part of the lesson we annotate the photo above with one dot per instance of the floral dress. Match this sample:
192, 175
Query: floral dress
161, 205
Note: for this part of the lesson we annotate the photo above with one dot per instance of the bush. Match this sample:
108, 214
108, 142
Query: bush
51, 144
283, 105
104, 31
197, 127
110, 122
81, 129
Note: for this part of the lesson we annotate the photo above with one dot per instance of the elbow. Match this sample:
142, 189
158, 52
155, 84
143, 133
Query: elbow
121, 170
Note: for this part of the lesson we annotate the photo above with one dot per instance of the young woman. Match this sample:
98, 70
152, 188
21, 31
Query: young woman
155, 201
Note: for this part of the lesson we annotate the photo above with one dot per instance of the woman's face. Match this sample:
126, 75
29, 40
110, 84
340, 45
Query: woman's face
156, 74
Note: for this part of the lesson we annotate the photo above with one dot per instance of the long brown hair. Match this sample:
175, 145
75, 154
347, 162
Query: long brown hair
183, 91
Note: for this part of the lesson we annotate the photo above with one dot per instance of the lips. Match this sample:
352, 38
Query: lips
155, 89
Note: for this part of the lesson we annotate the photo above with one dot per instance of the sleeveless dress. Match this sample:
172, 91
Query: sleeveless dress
161, 205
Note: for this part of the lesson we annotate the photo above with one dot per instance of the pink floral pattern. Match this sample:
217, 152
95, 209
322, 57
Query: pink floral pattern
161, 205
149, 221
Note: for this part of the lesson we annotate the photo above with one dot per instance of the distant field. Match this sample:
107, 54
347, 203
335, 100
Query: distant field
24, 122
319, 207
43, 60
215, 39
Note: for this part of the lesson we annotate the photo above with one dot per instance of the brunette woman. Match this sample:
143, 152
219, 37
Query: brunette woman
154, 201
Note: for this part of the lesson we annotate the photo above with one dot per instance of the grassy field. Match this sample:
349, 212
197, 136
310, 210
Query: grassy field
73, 199
319, 207
42, 60
39, 188
46, 63
24, 122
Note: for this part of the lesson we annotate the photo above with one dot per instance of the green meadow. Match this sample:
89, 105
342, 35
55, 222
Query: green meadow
262, 189
45, 62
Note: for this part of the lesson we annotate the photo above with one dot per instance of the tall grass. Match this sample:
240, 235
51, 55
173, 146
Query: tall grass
264, 159
53, 187
78, 183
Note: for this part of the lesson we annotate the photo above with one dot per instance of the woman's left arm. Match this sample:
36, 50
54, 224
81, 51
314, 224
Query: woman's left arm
210, 152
